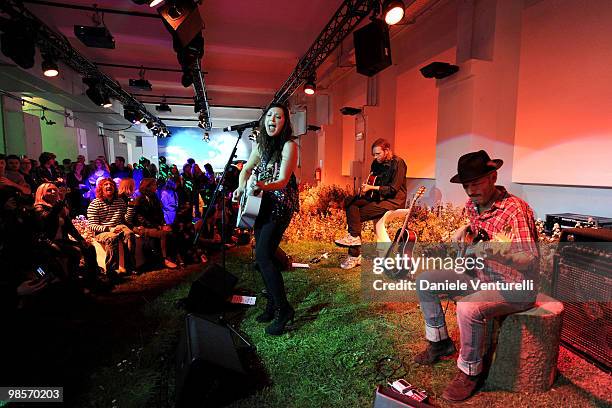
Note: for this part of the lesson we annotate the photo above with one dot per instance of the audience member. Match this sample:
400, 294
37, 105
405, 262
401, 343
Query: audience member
47, 172
107, 215
76, 182
119, 170
56, 229
149, 217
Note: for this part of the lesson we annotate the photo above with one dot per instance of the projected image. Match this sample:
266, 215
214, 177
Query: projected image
187, 142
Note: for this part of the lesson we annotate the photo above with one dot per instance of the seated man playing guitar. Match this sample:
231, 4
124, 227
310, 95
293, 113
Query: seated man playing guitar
494, 213
388, 192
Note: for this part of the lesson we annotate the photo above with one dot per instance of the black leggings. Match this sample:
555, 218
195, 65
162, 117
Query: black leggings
268, 235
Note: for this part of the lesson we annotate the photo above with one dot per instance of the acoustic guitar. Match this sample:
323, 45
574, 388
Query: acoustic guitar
404, 241
250, 202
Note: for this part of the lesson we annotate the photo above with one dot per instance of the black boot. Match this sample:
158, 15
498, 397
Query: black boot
283, 317
268, 313
435, 350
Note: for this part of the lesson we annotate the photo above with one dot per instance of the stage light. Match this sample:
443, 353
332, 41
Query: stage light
155, 3
96, 92
163, 106
49, 68
150, 125
132, 115
310, 87
206, 137
393, 10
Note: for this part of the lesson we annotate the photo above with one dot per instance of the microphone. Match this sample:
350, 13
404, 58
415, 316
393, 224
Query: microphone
242, 126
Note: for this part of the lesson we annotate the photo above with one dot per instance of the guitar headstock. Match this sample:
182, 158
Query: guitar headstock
417, 195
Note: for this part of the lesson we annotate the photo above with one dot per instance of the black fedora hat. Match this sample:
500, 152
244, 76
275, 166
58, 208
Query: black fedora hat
474, 165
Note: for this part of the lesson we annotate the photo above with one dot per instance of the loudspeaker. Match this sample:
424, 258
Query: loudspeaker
183, 17
372, 48
386, 397
209, 363
210, 292
581, 279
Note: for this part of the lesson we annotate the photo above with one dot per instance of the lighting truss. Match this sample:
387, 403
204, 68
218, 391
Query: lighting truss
46, 38
200, 98
347, 17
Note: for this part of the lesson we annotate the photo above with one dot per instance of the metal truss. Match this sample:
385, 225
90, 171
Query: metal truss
50, 41
347, 17
201, 100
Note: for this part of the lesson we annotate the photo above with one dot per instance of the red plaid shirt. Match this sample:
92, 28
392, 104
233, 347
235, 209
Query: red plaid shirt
508, 212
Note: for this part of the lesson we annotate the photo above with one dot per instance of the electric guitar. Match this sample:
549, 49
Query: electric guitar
403, 243
250, 202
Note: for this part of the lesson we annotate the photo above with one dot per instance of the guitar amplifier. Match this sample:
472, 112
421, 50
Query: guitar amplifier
581, 279
569, 220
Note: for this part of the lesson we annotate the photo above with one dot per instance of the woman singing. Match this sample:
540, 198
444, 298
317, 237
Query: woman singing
274, 155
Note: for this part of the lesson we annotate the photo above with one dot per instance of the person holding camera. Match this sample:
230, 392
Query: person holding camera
55, 230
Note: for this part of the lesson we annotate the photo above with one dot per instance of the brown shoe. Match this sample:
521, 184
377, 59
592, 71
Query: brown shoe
462, 387
435, 350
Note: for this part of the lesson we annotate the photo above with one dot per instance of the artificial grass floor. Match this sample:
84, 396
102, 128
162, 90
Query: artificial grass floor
339, 349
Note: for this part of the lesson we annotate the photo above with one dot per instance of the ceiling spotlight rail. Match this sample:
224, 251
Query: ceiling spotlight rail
42, 107
201, 99
347, 17
48, 39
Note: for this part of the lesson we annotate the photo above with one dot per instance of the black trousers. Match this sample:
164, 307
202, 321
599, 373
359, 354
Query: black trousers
359, 210
268, 236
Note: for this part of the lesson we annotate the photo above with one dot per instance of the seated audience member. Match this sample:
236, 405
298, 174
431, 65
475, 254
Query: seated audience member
149, 217
12, 173
118, 169
55, 230
100, 171
66, 166
128, 195
107, 215
10, 193
47, 171
169, 199
76, 183
25, 169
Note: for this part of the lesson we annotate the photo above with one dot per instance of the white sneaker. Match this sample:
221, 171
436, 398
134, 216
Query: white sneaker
351, 262
348, 241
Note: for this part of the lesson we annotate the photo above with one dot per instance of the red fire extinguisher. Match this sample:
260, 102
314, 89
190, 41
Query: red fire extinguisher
318, 174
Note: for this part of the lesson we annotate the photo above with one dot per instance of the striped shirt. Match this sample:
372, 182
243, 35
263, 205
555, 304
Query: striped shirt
102, 214
511, 213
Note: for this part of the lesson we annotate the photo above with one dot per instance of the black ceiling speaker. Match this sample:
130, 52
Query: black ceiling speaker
439, 70
183, 18
372, 48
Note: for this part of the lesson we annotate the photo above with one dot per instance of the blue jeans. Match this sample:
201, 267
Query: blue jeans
474, 310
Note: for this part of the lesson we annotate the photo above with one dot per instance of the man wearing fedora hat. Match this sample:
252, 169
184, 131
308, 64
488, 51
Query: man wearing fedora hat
503, 217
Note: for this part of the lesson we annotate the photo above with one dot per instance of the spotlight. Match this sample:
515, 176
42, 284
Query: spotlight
393, 10
132, 115
49, 68
310, 87
206, 137
152, 3
96, 93
163, 107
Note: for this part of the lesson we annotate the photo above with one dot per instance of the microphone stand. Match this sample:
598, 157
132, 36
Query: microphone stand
213, 200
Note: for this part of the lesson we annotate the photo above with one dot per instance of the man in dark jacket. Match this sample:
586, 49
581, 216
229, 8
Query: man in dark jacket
387, 192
